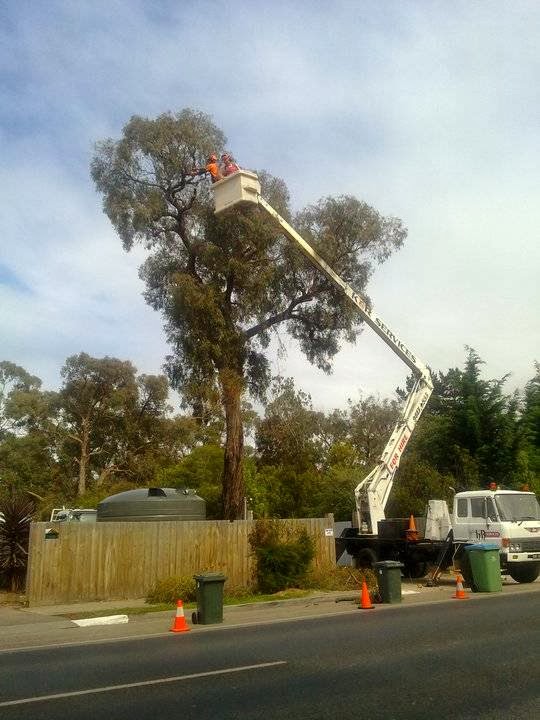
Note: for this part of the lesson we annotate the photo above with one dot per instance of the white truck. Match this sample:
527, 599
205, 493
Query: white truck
509, 518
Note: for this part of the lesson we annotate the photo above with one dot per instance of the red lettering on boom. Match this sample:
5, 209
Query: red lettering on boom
403, 442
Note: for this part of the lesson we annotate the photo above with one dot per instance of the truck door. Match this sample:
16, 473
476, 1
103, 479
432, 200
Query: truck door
493, 524
461, 519
476, 520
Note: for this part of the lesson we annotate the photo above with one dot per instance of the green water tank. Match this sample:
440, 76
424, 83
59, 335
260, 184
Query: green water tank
151, 505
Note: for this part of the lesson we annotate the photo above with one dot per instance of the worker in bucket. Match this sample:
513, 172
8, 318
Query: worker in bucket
228, 166
211, 167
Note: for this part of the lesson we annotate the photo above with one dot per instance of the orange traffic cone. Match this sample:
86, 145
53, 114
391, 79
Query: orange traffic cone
365, 600
460, 593
412, 532
179, 622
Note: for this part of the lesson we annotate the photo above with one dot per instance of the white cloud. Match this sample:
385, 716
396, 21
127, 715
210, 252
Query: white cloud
428, 111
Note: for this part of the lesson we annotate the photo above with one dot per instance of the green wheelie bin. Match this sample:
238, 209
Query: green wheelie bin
485, 567
209, 598
389, 580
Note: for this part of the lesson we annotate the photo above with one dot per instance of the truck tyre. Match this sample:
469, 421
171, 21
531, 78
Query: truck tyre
365, 558
524, 572
415, 567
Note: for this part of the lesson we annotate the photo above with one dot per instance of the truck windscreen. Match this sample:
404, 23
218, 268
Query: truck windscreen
517, 507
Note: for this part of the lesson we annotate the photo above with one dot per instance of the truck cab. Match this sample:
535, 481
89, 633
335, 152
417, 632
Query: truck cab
508, 518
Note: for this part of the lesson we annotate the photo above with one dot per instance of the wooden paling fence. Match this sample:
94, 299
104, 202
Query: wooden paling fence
122, 560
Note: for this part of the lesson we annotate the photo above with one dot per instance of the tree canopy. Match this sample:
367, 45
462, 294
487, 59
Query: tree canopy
472, 433
303, 462
17, 392
105, 425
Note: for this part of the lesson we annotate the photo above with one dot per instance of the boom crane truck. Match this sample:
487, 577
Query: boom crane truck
509, 518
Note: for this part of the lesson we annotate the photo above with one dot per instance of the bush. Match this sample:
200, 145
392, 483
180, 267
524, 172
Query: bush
16, 513
340, 578
172, 589
283, 556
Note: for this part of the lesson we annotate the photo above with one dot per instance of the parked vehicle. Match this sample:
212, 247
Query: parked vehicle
73, 515
507, 518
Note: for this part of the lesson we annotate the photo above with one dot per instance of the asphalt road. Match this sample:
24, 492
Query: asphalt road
447, 660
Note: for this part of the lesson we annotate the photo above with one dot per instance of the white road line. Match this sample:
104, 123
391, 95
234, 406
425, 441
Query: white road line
160, 681
82, 643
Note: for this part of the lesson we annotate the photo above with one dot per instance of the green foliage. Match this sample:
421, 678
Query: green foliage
16, 387
284, 491
151, 164
112, 425
201, 470
335, 492
288, 435
94, 495
529, 459
93, 401
470, 434
171, 589
27, 462
309, 463
417, 483
305, 464
26, 456
283, 556
106, 427
340, 578
15, 518
369, 423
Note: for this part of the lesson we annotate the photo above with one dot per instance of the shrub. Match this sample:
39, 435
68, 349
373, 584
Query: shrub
283, 555
172, 589
14, 531
333, 577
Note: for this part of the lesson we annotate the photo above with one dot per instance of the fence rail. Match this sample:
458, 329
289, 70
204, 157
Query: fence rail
122, 560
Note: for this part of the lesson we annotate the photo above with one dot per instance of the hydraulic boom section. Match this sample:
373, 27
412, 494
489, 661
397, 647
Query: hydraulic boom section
372, 492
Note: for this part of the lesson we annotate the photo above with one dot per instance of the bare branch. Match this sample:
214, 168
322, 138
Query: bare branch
286, 314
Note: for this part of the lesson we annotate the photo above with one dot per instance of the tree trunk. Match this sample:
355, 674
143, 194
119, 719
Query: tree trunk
233, 474
85, 456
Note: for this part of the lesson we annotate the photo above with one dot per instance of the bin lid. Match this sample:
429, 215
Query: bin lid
482, 546
210, 577
389, 564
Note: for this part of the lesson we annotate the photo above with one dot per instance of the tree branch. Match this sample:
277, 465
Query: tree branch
141, 182
286, 314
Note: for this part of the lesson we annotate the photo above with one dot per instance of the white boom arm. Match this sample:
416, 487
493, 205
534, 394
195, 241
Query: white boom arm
372, 492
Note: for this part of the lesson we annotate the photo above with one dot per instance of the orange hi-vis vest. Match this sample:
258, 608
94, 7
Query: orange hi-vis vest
213, 169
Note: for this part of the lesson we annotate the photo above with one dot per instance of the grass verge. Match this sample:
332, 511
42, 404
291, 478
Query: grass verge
240, 599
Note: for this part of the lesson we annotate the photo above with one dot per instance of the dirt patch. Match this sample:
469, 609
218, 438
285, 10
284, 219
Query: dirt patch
11, 599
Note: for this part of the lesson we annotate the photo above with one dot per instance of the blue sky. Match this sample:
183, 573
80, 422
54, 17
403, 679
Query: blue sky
428, 110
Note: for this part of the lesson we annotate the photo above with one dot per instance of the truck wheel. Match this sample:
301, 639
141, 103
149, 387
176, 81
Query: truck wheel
365, 558
415, 568
524, 572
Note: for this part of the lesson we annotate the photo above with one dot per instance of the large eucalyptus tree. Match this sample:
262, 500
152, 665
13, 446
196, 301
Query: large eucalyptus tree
222, 286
